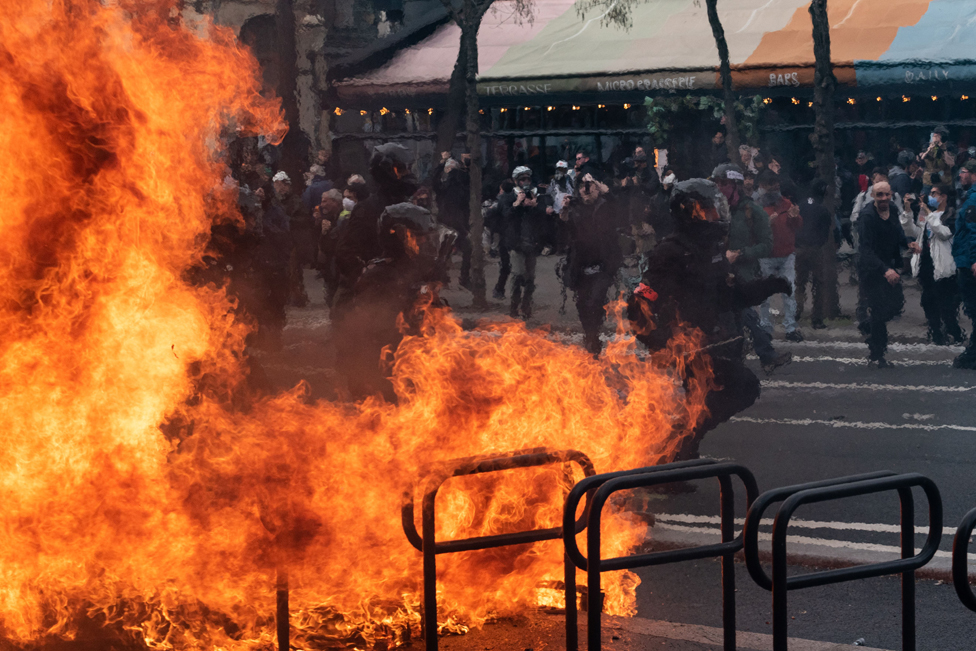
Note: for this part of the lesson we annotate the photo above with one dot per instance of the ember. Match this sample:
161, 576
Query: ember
175, 541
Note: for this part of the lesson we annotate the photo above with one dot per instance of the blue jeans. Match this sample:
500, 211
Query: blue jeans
762, 341
780, 268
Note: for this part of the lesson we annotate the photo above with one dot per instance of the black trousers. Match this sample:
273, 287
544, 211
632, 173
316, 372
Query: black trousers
967, 291
504, 269
591, 303
810, 268
738, 390
884, 302
940, 302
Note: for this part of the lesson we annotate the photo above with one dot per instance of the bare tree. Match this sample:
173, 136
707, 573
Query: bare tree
467, 15
823, 99
725, 71
294, 148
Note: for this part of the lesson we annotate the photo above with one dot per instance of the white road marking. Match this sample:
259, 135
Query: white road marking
857, 345
711, 636
781, 384
862, 361
805, 540
854, 424
686, 518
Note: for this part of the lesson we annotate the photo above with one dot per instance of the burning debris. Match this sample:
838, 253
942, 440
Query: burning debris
175, 540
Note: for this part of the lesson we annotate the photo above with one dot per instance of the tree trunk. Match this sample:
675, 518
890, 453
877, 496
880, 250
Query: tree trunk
450, 124
823, 99
725, 71
294, 147
476, 221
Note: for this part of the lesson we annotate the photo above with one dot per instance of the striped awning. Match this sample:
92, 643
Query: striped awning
903, 43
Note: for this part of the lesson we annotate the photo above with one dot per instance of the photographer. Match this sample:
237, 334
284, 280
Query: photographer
937, 158
594, 255
525, 224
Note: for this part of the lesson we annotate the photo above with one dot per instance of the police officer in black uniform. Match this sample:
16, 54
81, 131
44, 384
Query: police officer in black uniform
404, 280
690, 282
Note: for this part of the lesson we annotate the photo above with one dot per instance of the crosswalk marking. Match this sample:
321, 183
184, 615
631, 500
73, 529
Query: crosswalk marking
856, 386
852, 424
863, 361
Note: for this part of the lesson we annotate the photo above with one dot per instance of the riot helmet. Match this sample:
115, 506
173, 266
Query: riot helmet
409, 232
699, 207
390, 168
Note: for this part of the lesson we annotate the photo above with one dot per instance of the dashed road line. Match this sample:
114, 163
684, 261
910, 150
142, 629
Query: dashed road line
687, 518
852, 424
781, 384
863, 361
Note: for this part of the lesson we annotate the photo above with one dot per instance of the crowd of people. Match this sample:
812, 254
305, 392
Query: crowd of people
923, 206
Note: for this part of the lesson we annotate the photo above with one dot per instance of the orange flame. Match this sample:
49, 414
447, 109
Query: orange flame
113, 115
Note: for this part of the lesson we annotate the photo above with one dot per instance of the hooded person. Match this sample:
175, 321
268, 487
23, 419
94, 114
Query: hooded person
689, 283
391, 297
358, 242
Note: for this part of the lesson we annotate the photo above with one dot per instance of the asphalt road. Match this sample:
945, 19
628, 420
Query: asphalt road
825, 415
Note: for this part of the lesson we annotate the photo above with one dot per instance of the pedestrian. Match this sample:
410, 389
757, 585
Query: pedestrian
934, 267
594, 256
863, 164
689, 283
898, 176
937, 159
881, 241
452, 195
327, 215
496, 222
316, 184
304, 241
719, 150
810, 241
749, 240
525, 225
560, 189
784, 221
964, 255
747, 158
585, 166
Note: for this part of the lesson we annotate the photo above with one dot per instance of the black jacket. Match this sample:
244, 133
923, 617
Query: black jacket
881, 242
594, 239
817, 223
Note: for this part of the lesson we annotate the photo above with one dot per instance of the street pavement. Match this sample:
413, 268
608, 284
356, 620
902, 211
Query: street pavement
827, 414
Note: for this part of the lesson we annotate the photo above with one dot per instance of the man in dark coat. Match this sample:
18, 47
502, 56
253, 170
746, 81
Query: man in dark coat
881, 242
689, 283
594, 256
358, 242
452, 192
525, 222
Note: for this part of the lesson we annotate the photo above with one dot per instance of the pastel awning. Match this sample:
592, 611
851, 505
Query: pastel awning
670, 47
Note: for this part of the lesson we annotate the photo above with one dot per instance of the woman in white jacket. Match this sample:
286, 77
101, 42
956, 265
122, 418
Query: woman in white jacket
933, 265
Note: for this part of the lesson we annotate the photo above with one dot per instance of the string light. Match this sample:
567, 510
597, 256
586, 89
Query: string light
363, 113
794, 100
338, 111
935, 97
482, 111
601, 106
430, 111
576, 108
809, 104
767, 100
850, 100
384, 111
964, 97
626, 106
504, 110
550, 108
407, 111
906, 99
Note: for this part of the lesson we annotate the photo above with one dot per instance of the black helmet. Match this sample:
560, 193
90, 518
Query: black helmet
700, 209
729, 171
390, 168
409, 231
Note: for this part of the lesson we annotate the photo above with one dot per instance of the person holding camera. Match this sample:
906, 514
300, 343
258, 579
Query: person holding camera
525, 227
594, 255
937, 158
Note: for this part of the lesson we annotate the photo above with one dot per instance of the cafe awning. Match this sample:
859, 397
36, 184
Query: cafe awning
897, 43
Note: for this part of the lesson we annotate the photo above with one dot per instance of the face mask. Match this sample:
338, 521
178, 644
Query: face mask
933, 202
560, 175
668, 180
525, 185
348, 204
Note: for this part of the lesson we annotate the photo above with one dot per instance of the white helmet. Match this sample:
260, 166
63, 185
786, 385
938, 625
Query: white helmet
281, 176
520, 171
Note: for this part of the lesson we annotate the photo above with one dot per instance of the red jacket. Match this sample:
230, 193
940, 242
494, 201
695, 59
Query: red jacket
784, 227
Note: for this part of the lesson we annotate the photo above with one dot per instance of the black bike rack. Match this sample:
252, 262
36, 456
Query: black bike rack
960, 561
602, 487
795, 496
472, 466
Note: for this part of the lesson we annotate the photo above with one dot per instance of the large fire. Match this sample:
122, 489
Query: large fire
111, 116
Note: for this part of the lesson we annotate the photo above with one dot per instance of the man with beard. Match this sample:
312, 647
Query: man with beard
594, 256
390, 297
358, 242
689, 282
881, 241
